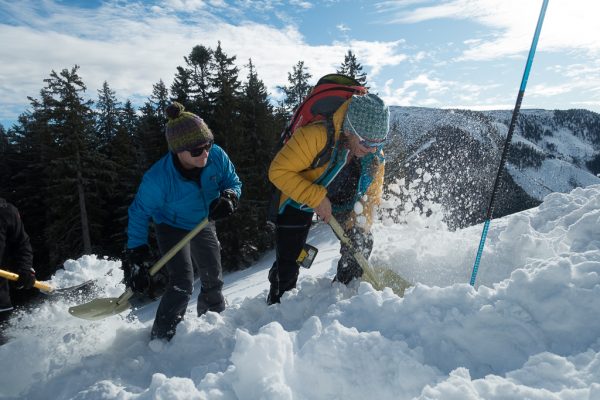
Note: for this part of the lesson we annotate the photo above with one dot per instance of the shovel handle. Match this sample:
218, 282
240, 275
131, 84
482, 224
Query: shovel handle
11, 276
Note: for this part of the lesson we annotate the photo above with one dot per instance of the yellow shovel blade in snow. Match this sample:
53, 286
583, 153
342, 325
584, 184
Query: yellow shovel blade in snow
378, 277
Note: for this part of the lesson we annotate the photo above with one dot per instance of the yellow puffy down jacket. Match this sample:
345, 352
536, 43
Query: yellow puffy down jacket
291, 171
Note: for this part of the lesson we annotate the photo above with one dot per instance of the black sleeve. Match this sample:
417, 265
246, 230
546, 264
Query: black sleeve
14, 241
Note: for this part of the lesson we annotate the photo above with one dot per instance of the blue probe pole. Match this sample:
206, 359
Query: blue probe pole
511, 129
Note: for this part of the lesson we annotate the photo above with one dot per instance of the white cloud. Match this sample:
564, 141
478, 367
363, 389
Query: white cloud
420, 90
133, 47
343, 28
301, 4
555, 90
376, 55
184, 5
426, 91
568, 25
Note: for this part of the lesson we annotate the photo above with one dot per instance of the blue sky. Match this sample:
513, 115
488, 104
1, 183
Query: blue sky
446, 53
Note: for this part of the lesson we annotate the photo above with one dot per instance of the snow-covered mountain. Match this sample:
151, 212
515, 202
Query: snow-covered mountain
528, 330
459, 150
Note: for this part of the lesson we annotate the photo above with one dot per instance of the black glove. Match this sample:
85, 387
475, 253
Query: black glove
347, 269
136, 265
223, 206
26, 278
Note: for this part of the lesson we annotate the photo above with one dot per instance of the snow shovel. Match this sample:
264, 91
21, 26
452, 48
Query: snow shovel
105, 307
378, 277
44, 287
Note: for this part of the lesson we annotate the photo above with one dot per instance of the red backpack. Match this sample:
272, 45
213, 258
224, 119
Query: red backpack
330, 92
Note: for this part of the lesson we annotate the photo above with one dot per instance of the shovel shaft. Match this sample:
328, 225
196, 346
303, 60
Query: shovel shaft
11, 276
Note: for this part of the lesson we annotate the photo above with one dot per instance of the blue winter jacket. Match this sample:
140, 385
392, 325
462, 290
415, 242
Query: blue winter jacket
167, 197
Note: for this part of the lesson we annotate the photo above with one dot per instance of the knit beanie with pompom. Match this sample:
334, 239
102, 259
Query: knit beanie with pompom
185, 130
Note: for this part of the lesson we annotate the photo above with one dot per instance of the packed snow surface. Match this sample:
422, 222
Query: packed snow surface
529, 329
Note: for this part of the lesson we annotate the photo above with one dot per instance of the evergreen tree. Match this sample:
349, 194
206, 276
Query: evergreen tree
259, 135
199, 64
108, 109
150, 136
77, 170
181, 88
129, 123
224, 121
160, 100
152, 123
224, 96
30, 153
352, 68
124, 154
297, 89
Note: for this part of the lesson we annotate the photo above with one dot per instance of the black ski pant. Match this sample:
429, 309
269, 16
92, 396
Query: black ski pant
201, 257
291, 232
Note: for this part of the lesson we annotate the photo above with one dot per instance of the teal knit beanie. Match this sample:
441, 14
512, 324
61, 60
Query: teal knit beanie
368, 117
185, 130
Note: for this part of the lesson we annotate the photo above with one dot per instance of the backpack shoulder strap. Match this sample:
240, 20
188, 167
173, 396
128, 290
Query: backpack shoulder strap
324, 155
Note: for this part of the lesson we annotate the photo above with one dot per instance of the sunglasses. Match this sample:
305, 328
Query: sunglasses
198, 151
364, 142
369, 143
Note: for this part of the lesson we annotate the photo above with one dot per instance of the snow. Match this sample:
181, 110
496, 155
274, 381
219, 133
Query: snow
528, 330
554, 175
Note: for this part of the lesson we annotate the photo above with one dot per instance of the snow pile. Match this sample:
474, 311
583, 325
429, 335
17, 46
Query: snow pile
529, 329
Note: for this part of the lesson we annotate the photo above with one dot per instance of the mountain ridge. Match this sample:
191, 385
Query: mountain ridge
551, 151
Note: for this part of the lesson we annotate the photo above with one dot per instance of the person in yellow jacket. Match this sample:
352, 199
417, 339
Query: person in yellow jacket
349, 187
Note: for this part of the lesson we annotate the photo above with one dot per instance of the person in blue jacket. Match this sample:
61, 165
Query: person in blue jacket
195, 180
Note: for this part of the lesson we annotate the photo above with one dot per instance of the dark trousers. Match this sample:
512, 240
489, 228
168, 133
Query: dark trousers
291, 232
290, 235
201, 257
